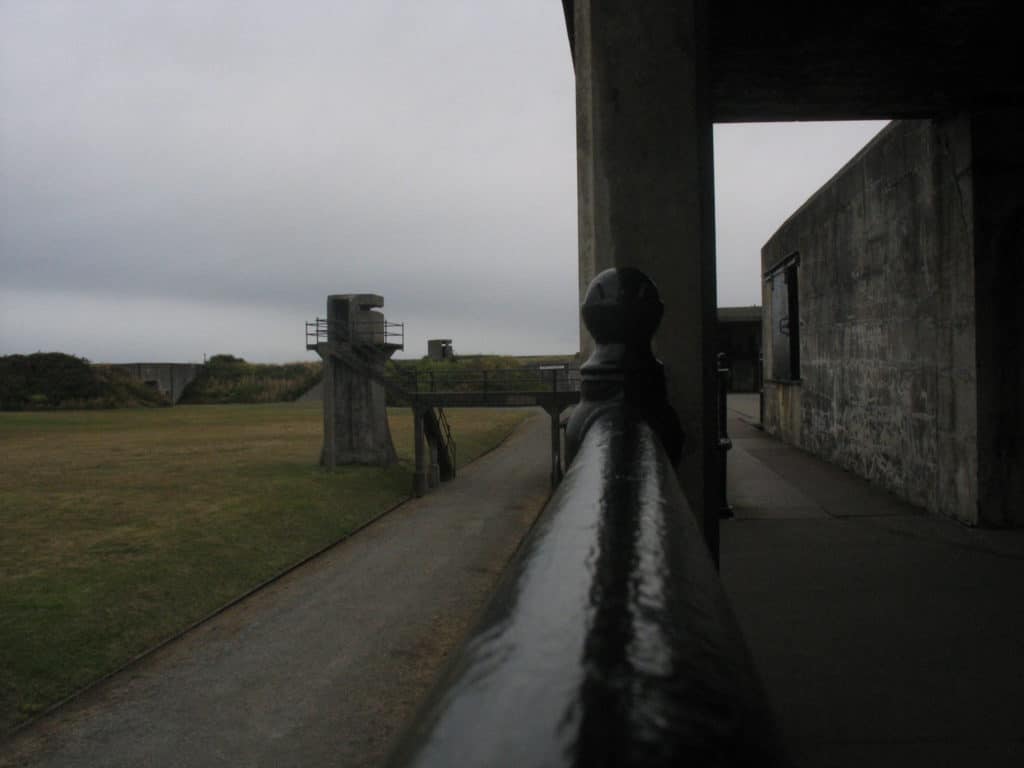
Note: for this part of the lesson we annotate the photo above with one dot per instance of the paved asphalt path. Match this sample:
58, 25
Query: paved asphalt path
885, 636
324, 666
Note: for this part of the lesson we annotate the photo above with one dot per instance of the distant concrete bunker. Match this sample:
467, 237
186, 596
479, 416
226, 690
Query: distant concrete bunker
440, 349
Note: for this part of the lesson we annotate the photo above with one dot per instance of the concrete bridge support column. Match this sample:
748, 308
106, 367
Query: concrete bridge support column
434, 473
646, 196
419, 477
556, 447
329, 454
998, 199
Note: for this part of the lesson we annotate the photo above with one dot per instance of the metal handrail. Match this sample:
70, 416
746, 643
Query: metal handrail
496, 380
610, 640
377, 332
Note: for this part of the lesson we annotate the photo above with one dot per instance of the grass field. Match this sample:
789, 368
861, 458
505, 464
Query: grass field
119, 528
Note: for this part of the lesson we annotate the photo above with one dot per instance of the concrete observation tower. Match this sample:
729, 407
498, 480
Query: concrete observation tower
355, 342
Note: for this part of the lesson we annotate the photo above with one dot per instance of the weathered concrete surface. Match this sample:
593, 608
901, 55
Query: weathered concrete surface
356, 427
324, 666
887, 332
170, 378
884, 636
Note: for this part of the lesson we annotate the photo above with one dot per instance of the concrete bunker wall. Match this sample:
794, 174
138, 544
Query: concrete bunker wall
884, 273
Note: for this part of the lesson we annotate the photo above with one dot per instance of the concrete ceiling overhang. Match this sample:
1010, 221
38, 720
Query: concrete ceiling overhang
805, 61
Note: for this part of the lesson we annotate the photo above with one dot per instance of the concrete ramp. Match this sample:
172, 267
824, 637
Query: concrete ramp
169, 378
314, 394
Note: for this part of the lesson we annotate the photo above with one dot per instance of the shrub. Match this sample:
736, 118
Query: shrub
228, 379
56, 380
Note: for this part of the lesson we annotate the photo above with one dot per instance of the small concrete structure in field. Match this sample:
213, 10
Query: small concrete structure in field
440, 349
355, 342
170, 379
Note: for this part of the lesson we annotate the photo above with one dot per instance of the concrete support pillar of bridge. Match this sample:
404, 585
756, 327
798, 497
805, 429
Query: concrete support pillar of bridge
556, 447
328, 456
646, 196
434, 470
997, 163
419, 475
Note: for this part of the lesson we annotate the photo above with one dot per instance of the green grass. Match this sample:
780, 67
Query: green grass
122, 527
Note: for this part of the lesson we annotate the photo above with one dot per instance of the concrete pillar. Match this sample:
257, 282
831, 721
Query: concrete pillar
556, 448
434, 474
998, 207
646, 196
328, 455
419, 477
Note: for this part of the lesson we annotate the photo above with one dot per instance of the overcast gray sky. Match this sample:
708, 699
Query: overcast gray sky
194, 177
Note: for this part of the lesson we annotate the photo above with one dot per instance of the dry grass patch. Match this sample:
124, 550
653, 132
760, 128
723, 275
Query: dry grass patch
122, 527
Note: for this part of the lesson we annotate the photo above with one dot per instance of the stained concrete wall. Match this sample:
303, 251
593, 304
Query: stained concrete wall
888, 382
170, 378
356, 427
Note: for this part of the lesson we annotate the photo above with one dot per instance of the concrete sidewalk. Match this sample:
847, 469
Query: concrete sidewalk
324, 666
884, 635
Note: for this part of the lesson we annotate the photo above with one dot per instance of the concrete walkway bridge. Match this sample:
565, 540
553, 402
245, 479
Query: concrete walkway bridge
429, 393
